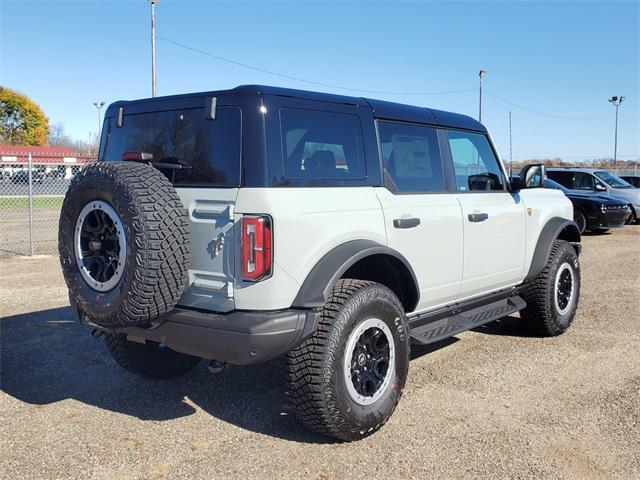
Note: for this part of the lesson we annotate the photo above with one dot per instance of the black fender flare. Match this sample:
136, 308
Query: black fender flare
317, 287
549, 234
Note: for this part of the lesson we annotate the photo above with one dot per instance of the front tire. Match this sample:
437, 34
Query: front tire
149, 360
580, 220
347, 378
552, 296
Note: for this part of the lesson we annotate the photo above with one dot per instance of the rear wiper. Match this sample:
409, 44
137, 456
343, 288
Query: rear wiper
168, 166
170, 163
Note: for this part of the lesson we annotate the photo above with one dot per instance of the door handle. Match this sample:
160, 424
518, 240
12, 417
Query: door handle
478, 217
406, 222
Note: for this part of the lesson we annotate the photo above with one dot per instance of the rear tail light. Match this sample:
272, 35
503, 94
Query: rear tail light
256, 247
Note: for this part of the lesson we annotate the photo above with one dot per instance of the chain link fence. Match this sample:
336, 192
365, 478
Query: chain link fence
31, 197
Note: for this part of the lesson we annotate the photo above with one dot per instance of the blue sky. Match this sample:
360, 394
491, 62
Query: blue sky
560, 58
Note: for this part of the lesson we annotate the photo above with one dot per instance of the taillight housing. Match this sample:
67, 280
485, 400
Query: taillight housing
256, 240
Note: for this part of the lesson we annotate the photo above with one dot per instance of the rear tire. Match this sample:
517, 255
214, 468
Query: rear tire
347, 378
552, 296
149, 360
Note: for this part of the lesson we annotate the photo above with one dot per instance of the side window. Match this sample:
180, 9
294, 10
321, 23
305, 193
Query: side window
583, 181
476, 167
563, 178
411, 157
322, 145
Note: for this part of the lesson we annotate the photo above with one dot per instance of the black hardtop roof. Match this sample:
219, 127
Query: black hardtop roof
381, 109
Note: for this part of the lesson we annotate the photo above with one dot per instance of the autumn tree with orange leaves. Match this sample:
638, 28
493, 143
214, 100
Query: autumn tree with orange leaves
22, 122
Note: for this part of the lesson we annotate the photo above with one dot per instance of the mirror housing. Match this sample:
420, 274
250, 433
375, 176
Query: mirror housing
531, 176
600, 187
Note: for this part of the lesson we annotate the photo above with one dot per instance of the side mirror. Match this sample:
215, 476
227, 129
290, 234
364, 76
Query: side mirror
601, 187
531, 176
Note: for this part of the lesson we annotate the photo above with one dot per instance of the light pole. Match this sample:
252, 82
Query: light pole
481, 74
616, 101
153, 46
99, 106
510, 148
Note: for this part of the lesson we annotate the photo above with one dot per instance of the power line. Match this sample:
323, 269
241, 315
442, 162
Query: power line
537, 112
359, 90
588, 155
298, 79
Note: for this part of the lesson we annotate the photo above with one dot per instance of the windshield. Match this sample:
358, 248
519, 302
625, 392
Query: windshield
613, 180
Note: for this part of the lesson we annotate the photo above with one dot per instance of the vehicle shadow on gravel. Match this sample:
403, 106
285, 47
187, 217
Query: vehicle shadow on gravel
511, 326
47, 357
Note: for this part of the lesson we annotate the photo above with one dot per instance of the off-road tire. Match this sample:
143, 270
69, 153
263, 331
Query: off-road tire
542, 313
158, 248
149, 360
580, 220
317, 388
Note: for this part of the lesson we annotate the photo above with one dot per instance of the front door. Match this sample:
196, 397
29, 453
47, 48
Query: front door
422, 219
493, 218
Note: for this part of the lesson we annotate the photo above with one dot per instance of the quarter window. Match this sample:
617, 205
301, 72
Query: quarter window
476, 167
411, 157
321, 145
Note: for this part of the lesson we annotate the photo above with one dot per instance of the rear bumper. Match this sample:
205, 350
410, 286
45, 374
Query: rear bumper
241, 337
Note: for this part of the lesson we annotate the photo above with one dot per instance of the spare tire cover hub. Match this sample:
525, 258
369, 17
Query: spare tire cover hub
100, 245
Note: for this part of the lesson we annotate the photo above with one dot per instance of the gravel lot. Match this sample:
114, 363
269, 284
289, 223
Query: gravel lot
493, 402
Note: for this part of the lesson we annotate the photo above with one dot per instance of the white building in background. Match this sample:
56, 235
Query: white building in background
62, 162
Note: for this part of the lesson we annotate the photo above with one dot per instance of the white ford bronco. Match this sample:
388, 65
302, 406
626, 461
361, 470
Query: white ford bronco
240, 225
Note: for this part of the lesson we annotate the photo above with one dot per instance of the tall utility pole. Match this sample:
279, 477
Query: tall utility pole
99, 106
153, 46
510, 148
481, 74
616, 101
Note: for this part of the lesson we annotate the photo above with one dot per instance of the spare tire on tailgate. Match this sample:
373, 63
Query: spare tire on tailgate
124, 243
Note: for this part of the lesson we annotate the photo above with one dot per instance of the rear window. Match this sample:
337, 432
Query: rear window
563, 178
189, 149
321, 145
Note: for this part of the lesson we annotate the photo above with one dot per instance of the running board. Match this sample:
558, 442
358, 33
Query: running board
436, 326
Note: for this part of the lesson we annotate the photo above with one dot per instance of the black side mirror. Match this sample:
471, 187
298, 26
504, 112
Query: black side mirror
531, 176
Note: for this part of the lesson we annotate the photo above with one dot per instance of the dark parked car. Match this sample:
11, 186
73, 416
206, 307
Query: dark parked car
597, 182
632, 179
21, 177
597, 213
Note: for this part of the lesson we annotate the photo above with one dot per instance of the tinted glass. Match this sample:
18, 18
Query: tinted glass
321, 145
411, 157
563, 178
476, 167
203, 151
583, 181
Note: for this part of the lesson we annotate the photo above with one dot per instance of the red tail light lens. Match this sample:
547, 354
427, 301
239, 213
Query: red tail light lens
256, 247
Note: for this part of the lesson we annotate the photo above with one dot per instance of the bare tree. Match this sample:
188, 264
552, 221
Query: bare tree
58, 136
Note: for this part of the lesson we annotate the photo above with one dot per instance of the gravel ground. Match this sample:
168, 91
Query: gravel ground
488, 403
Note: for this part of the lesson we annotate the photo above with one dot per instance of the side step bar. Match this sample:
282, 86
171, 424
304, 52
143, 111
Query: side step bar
436, 326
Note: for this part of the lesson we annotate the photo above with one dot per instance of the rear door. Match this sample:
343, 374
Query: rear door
493, 218
423, 220
201, 157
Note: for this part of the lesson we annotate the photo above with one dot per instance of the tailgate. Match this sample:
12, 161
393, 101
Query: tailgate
213, 248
